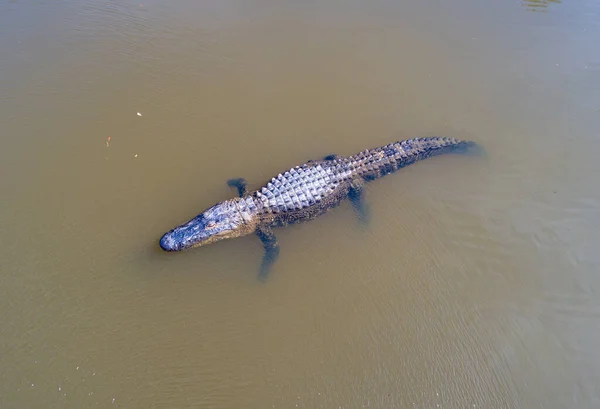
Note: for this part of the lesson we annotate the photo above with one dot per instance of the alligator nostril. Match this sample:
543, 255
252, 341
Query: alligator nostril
168, 244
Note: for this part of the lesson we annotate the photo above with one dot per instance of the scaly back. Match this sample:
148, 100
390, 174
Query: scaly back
303, 186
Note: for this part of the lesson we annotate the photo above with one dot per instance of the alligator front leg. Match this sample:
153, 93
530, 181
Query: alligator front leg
271, 246
356, 194
240, 184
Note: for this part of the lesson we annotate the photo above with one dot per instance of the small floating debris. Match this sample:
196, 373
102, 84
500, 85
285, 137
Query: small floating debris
108, 142
135, 156
139, 114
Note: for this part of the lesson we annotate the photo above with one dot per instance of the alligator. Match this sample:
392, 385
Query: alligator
301, 194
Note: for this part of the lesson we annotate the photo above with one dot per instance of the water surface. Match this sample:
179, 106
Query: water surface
475, 284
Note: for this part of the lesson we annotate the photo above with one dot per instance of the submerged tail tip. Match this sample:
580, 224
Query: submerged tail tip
470, 148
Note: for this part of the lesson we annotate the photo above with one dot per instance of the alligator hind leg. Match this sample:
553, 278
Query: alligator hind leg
356, 195
240, 184
271, 246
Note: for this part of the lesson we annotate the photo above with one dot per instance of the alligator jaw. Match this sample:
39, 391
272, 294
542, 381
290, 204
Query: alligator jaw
188, 235
221, 221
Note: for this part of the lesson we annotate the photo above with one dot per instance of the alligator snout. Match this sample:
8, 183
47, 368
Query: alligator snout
169, 243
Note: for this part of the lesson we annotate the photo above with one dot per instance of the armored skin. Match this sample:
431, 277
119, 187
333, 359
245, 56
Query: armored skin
301, 194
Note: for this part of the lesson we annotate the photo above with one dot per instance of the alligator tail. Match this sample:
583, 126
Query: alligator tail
375, 163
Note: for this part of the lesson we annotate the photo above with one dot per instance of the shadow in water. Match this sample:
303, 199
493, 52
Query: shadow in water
538, 5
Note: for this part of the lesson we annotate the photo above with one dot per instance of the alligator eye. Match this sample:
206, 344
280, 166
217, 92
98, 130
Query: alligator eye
211, 225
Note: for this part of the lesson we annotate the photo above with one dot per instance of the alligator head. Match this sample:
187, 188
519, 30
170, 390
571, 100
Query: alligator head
221, 221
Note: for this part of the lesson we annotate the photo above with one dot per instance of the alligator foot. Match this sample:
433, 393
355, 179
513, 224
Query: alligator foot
240, 184
357, 197
271, 246
332, 156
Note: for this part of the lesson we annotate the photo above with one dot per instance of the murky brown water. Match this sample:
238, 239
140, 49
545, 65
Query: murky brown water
475, 285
